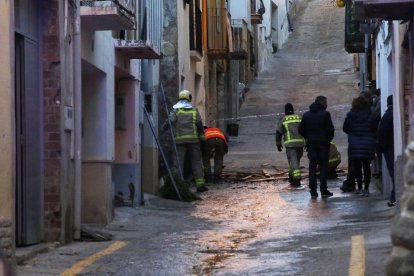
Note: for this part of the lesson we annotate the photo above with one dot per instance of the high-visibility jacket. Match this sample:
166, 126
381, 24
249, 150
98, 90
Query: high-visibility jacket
288, 127
213, 132
334, 155
188, 125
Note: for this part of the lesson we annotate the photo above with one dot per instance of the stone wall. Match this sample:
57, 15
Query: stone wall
169, 78
401, 261
6, 238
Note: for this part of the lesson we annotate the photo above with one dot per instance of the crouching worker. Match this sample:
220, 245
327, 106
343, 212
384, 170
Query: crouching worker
215, 146
287, 128
188, 134
334, 161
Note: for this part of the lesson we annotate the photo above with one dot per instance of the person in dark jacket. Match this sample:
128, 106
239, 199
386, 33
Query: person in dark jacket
318, 130
386, 144
360, 127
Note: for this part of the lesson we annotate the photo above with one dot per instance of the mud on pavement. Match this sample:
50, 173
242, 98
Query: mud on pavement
242, 206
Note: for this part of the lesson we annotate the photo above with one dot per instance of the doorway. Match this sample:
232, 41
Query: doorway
28, 112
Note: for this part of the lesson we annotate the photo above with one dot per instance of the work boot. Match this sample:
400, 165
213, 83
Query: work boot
202, 189
296, 184
326, 193
391, 203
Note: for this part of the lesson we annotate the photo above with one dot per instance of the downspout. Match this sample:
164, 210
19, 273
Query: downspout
367, 49
77, 79
288, 16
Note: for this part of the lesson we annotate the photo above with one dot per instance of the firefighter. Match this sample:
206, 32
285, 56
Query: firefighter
287, 129
189, 133
214, 146
334, 161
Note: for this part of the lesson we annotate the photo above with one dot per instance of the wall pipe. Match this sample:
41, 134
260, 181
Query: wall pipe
77, 79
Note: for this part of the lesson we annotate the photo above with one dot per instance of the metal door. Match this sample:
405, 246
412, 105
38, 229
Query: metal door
29, 187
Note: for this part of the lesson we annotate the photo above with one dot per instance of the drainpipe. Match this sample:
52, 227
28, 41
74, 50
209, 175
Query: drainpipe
77, 79
366, 55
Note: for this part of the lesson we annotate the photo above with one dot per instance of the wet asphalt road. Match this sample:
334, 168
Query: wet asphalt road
260, 228
255, 228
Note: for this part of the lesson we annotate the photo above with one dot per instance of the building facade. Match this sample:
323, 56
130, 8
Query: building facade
393, 47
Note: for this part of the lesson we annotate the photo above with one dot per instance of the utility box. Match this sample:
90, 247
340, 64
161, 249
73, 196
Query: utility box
233, 129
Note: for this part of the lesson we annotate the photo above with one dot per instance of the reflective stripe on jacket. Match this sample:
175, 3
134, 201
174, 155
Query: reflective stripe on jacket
290, 126
213, 132
334, 155
187, 124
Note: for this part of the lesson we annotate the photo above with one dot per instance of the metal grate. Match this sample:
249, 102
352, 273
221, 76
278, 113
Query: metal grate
97, 3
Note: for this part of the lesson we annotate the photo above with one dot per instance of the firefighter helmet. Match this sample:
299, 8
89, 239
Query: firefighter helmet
184, 95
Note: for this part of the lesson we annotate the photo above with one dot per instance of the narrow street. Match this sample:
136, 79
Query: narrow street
249, 226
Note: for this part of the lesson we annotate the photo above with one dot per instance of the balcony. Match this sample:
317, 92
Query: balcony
386, 9
256, 15
256, 18
108, 15
217, 28
354, 38
137, 49
239, 47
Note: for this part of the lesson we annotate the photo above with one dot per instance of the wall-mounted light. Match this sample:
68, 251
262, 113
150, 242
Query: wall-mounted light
56, 98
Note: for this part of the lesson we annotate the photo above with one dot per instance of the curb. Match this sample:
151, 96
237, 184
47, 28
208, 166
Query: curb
25, 253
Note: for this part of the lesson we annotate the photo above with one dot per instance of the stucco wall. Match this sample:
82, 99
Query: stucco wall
98, 50
6, 131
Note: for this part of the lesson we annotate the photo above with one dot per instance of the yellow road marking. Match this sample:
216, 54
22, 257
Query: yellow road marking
79, 266
357, 262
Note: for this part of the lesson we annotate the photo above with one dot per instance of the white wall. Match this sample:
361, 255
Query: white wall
183, 45
390, 76
98, 50
282, 24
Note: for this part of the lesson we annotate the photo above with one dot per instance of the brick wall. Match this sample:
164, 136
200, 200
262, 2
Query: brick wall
52, 144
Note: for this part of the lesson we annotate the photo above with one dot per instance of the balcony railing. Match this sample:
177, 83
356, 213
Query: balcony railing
239, 49
108, 15
256, 12
137, 49
146, 43
217, 40
196, 39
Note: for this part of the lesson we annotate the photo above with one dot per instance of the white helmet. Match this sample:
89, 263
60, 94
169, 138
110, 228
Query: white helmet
184, 95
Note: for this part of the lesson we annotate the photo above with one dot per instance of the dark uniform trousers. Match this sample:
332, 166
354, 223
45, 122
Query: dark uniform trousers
213, 147
318, 154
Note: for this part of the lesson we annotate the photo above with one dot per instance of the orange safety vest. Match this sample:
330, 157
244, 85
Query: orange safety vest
213, 132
